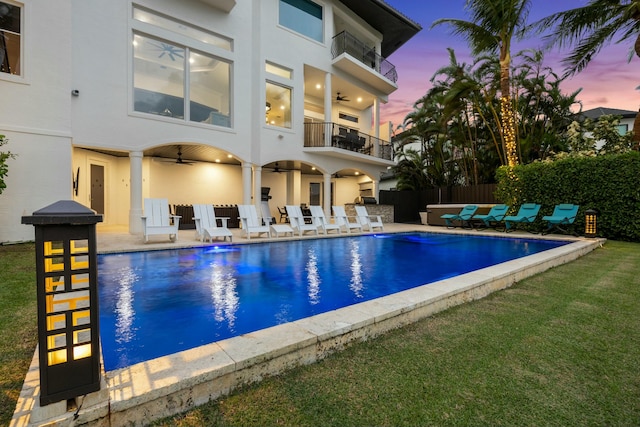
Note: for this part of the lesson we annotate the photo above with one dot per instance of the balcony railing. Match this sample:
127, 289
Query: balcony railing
346, 43
346, 139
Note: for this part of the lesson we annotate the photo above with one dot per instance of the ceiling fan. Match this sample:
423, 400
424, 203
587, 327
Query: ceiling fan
166, 49
277, 169
342, 98
179, 160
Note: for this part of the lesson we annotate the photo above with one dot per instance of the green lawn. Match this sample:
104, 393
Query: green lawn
18, 325
558, 349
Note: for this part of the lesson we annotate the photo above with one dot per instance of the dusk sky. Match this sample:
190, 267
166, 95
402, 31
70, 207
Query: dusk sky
609, 80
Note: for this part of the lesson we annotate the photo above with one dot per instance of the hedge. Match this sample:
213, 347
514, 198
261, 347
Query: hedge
607, 183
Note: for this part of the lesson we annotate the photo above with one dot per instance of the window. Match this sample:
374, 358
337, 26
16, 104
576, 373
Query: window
181, 28
623, 129
302, 16
278, 95
278, 108
277, 70
347, 117
175, 80
10, 38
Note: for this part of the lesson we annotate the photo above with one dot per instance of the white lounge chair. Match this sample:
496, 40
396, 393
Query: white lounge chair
342, 220
320, 220
368, 222
207, 225
157, 220
296, 220
251, 223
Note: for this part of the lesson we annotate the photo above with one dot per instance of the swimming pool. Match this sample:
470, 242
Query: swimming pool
161, 302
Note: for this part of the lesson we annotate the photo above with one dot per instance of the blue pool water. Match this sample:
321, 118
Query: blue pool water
161, 302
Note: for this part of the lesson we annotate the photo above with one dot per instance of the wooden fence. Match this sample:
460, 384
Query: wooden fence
408, 204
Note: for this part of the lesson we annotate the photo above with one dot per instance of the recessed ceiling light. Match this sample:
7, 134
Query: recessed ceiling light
217, 160
318, 86
359, 99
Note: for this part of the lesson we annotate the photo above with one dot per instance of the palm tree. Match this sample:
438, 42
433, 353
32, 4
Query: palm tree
493, 26
590, 28
544, 111
411, 171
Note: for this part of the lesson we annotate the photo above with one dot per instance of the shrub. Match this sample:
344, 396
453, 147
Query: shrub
606, 183
4, 168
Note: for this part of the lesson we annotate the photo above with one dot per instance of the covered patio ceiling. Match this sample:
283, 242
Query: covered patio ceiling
206, 154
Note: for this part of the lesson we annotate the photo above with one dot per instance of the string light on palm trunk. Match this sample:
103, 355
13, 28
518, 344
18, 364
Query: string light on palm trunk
508, 131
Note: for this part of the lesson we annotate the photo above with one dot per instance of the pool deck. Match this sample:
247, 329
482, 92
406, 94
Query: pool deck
165, 386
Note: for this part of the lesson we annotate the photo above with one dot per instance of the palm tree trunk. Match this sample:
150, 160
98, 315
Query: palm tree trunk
506, 108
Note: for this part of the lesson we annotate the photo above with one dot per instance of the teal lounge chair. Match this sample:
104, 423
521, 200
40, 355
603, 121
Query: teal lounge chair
464, 216
494, 217
527, 214
562, 218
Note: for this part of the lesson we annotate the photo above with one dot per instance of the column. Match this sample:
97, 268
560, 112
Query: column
328, 131
375, 186
294, 186
246, 183
376, 127
257, 186
135, 192
327, 194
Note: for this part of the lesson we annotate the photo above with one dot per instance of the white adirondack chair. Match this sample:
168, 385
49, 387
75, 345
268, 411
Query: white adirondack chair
320, 220
368, 222
207, 225
251, 223
157, 220
296, 220
342, 220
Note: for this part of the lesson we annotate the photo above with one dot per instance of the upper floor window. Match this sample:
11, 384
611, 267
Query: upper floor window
278, 95
182, 28
302, 16
10, 38
277, 70
177, 80
278, 107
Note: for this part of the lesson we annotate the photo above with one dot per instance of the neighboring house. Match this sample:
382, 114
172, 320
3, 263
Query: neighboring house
626, 123
196, 101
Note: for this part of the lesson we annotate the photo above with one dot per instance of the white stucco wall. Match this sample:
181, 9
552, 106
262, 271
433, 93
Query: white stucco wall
49, 129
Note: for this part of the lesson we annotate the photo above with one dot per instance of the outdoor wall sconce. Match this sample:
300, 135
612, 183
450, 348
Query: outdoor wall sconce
68, 318
590, 223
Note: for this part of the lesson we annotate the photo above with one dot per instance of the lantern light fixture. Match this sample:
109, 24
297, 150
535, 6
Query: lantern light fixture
590, 223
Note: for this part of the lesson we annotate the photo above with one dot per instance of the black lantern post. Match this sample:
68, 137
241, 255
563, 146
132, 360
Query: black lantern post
590, 223
66, 272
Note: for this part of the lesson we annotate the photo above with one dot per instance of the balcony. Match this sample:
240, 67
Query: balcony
354, 57
340, 141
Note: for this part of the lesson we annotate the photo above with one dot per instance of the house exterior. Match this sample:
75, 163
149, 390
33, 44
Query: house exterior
196, 101
627, 117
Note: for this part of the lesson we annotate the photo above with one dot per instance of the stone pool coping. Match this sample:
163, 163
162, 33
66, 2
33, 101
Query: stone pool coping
141, 393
